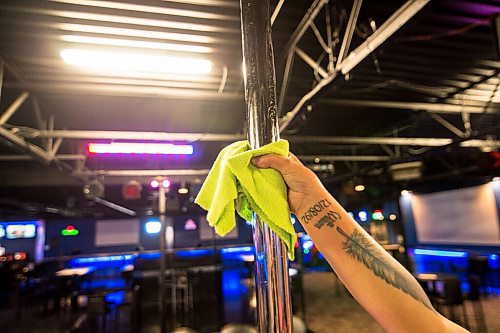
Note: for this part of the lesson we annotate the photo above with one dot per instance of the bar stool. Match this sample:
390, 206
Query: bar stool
181, 296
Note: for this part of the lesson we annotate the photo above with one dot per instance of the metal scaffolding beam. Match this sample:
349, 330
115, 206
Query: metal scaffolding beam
211, 137
20, 142
412, 106
60, 157
349, 31
391, 141
390, 26
134, 135
310, 61
13, 107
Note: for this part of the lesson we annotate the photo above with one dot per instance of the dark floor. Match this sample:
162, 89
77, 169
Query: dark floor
329, 308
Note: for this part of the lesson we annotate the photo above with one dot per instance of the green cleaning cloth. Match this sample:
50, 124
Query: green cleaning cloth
234, 183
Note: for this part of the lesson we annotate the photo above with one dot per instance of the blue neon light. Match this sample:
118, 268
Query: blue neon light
193, 253
104, 259
149, 255
231, 284
116, 297
237, 249
439, 253
363, 216
493, 257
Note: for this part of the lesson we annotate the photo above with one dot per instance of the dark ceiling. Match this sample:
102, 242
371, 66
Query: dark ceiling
429, 93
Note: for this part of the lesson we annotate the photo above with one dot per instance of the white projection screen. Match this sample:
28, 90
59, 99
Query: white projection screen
466, 216
117, 232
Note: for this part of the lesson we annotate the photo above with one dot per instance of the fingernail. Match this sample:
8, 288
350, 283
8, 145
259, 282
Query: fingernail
255, 160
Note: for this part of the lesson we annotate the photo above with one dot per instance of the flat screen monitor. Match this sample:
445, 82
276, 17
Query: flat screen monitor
15, 231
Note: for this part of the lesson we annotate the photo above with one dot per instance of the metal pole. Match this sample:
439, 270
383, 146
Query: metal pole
271, 266
162, 205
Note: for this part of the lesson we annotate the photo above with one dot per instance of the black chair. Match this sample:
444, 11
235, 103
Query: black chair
479, 266
450, 298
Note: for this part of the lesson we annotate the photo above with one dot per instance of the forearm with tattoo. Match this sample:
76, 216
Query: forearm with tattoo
360, 248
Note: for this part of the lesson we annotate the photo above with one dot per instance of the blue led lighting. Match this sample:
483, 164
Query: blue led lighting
439, 253
231, 284
116, 297
363, 216
493, 257
149, 255
237, 249
104, 259
193, 253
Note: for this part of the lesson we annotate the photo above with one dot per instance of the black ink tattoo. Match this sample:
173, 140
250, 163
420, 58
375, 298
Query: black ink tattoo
329, 219
359, 247
314, 210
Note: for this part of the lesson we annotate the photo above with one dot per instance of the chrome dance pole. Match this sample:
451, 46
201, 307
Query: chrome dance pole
271, 266
162, 208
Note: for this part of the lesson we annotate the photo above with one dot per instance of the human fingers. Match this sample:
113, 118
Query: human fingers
274, 161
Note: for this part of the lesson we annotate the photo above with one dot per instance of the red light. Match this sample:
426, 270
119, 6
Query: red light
132, 190
70, 227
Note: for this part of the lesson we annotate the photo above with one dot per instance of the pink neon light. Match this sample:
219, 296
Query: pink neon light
155, 183
140, 148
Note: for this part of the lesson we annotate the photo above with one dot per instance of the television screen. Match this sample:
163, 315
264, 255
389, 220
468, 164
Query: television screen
466, 216
14, 231
117, 232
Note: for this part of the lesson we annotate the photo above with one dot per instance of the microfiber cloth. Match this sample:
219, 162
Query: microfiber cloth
234, 183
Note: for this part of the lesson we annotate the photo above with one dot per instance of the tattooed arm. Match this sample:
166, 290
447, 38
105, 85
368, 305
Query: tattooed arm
377, 281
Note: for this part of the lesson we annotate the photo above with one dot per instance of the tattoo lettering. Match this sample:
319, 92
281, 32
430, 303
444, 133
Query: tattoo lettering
359, 247
328, 219
314, 210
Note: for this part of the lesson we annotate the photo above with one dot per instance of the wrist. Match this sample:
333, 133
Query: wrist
315, 205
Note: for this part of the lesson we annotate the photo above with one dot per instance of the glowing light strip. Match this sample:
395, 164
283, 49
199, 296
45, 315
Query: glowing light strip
440, 253
133, 62
140, 148
237, 249
114, 258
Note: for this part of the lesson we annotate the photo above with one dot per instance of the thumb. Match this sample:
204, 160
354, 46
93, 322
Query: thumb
274, 161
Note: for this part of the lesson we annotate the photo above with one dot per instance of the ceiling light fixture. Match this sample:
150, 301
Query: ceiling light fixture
183, 189
359, 188
140, 148
135, 62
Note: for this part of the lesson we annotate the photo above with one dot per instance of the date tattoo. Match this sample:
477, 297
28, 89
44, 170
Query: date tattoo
321, 207
315, 210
